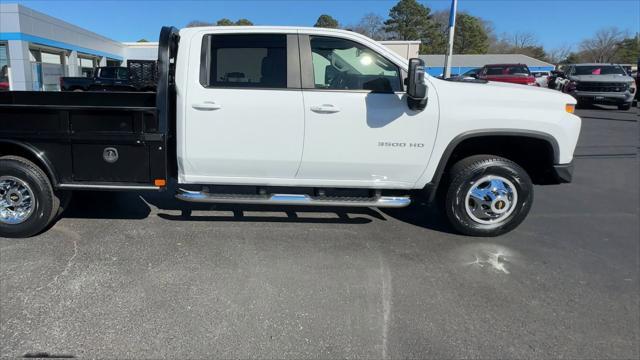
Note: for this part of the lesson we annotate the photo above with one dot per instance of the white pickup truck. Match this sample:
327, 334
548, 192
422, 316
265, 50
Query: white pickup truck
289, 116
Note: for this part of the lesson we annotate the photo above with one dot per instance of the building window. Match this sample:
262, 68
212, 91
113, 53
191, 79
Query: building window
4, 67
47, 67
87, 66
249, 61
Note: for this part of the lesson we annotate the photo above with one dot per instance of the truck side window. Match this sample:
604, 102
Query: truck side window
251, 61
123, 74
347, 65
108, 73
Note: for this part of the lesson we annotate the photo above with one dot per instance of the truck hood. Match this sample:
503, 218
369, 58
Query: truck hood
520, 87
504, 95
601, 78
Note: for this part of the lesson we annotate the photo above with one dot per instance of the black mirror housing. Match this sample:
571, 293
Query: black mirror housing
416, 88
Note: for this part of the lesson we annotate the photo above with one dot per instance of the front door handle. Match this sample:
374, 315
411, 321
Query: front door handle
207, 106
325, 109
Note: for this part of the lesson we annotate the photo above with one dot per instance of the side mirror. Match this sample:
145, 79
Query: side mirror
416, 88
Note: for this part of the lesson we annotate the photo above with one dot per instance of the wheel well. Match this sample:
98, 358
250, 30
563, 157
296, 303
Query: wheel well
16, 149
535, 155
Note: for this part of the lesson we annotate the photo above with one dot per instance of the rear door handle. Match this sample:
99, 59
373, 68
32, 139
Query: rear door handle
325, 109
207, 106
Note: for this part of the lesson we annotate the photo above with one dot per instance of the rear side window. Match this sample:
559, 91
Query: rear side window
508, 70
123, 74
244, 61
108, 73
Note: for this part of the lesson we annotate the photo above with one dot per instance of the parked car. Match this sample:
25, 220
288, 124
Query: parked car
139, 75
551, 80
104, 78
469, 74
4, 78
600, 84
542, 78
370, 139
637, 77
511, 73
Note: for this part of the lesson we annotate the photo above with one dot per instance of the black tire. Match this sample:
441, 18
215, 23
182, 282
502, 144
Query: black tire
466, 173
45, 206
625, 106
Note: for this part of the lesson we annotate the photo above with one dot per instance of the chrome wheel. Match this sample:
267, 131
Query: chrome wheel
491, 200
16, 200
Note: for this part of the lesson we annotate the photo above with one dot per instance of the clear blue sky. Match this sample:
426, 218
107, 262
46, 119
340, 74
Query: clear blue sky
554, 23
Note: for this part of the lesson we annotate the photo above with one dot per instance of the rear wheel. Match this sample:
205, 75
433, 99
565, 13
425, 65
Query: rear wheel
27, 200
487, 195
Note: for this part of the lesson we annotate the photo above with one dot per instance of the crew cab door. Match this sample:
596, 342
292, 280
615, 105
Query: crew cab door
359, 130
244, 119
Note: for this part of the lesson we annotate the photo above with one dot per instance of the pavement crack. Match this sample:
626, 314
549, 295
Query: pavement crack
66, 269
385, 276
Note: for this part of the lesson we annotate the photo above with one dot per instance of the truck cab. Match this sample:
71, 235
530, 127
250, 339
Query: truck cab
297, 108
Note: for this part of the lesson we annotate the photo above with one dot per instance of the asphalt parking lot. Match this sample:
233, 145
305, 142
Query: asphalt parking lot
125, 275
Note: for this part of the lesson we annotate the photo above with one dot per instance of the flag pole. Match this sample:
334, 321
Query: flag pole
452, 27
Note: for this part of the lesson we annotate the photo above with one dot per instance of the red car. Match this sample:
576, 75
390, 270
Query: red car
511, 73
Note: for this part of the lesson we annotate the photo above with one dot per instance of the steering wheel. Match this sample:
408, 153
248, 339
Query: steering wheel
339, 81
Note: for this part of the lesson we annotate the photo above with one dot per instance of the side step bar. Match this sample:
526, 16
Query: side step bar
293, 199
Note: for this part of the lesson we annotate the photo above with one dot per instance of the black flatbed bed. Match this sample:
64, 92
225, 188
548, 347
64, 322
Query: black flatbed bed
97, 140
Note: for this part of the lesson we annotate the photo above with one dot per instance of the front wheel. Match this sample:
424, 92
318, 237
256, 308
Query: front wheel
487, 195
27, 201
625, 106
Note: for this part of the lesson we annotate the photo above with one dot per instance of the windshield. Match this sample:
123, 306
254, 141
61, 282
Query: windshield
508, 70
598, 70
471, 72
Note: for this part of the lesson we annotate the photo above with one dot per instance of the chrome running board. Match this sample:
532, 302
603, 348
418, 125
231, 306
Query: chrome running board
293, 199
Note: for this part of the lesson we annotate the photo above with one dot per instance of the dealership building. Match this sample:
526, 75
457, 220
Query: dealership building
37, 49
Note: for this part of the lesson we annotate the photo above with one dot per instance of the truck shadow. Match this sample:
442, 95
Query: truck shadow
140, 205
259, 213
107, 205
422, 215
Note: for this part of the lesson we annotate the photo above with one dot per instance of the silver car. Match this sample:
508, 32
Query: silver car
600, 84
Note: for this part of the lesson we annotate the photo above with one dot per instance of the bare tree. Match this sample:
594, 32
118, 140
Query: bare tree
500, 44
603, 46
523, 40
559, 54
371, 25
196, 23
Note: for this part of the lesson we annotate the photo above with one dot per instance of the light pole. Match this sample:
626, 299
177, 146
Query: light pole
452, 29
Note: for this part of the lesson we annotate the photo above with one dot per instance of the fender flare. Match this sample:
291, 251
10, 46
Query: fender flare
42, 160
444, 159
